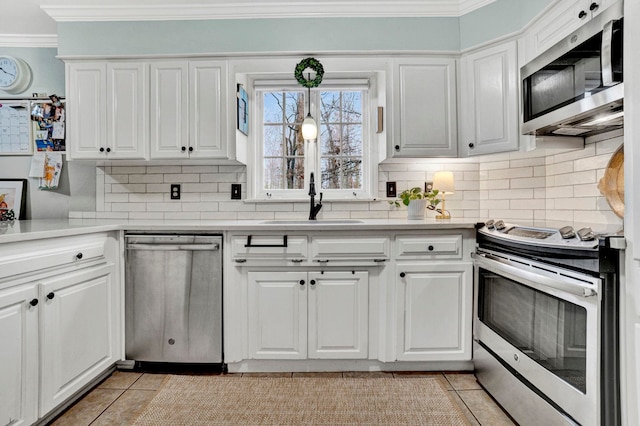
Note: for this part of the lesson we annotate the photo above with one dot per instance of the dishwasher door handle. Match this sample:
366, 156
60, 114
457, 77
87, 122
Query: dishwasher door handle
174, 247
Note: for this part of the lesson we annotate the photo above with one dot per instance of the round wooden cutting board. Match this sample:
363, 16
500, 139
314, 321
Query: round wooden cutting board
612, 183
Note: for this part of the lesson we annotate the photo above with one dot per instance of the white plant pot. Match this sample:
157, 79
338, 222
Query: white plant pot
417, 209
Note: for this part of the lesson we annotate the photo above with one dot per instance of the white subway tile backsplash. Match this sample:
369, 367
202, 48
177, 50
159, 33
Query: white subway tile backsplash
550, 182
164, 169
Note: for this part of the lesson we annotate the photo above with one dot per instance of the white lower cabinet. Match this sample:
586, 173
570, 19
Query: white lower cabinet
434, 305
76, 332
19, 355
315, 315
59, 322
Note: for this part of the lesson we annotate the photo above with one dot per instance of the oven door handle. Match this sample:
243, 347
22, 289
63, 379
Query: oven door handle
530, 279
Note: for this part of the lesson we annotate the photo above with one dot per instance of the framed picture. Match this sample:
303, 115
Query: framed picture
13, 196
49, 120
243, 110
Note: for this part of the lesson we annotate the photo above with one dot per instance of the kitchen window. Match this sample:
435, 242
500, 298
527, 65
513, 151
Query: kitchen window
340, 157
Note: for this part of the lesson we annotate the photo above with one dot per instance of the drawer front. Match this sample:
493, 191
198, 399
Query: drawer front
269, 247
345, 248
440, 247
32, 256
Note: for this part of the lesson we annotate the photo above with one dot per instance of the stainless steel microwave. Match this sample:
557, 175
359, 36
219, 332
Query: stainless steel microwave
576, 87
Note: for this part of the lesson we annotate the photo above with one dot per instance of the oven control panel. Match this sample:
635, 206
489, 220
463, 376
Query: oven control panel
565, 237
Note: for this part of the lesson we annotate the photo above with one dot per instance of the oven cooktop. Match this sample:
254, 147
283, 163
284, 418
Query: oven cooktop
562, 238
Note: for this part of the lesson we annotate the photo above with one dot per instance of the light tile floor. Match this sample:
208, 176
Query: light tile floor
119, 399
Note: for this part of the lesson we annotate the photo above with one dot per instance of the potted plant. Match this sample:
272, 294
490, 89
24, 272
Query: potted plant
417, 201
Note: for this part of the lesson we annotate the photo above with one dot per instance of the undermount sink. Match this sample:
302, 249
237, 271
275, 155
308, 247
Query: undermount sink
311, 222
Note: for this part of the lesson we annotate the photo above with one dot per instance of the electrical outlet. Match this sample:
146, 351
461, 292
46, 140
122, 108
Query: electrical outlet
175, 191
236, 191
391, 189
428, 187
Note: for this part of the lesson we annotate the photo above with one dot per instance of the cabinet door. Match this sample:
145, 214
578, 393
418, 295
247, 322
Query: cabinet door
490, 100
434, 312
277, 315
338, 315
86, 115
425, 108
77, 332
169, 110
207, 87
127, 110
19, 356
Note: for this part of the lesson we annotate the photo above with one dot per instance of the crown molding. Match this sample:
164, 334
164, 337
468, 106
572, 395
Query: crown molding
251, 9
28, 40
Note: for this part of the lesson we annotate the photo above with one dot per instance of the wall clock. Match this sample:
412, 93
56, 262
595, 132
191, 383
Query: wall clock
15, 74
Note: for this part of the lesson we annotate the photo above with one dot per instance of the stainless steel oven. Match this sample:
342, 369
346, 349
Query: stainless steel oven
545, 324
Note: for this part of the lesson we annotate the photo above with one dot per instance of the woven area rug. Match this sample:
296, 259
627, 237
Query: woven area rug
234, 400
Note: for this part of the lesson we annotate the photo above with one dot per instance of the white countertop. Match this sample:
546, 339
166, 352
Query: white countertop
22, 230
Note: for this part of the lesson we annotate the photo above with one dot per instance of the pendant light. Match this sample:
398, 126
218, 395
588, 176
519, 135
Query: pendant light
309, 126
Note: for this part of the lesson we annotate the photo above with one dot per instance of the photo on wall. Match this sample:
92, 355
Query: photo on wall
243, 110
48, 120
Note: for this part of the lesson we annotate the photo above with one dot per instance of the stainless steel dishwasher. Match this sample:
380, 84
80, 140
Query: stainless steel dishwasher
173, 298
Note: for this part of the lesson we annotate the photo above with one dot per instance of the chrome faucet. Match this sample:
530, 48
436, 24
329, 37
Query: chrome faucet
314, 208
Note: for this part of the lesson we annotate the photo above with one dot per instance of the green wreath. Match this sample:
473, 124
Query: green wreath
315, 65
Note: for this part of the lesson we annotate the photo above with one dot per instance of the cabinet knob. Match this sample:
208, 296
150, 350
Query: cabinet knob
582, 14
108, 149
301, 282
184, 148
101, 149
190, 149
594, 6
471, 145
397, 147
402, 274
430, 248
33, 302
51, 295
79, 256
312, 282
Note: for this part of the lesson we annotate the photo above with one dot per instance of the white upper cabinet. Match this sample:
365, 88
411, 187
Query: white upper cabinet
108, 110
424, 108
188, 101
207, 109
169, 109
562, 19
127, 110
86, 110
489, 100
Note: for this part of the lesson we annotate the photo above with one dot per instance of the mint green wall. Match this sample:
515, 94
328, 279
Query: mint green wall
497, 19
258, 35
48, 72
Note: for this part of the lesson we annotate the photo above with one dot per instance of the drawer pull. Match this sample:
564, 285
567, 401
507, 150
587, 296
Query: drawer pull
297, 260
322, 260
284, 243
379, 260
33, 302
241, 261
51, 295
430, 248
79, 256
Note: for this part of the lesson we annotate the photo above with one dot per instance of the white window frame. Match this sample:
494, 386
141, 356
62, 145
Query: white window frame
366, 81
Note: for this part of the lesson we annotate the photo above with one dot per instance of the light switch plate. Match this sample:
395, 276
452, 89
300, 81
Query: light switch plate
236, 191
391, 189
